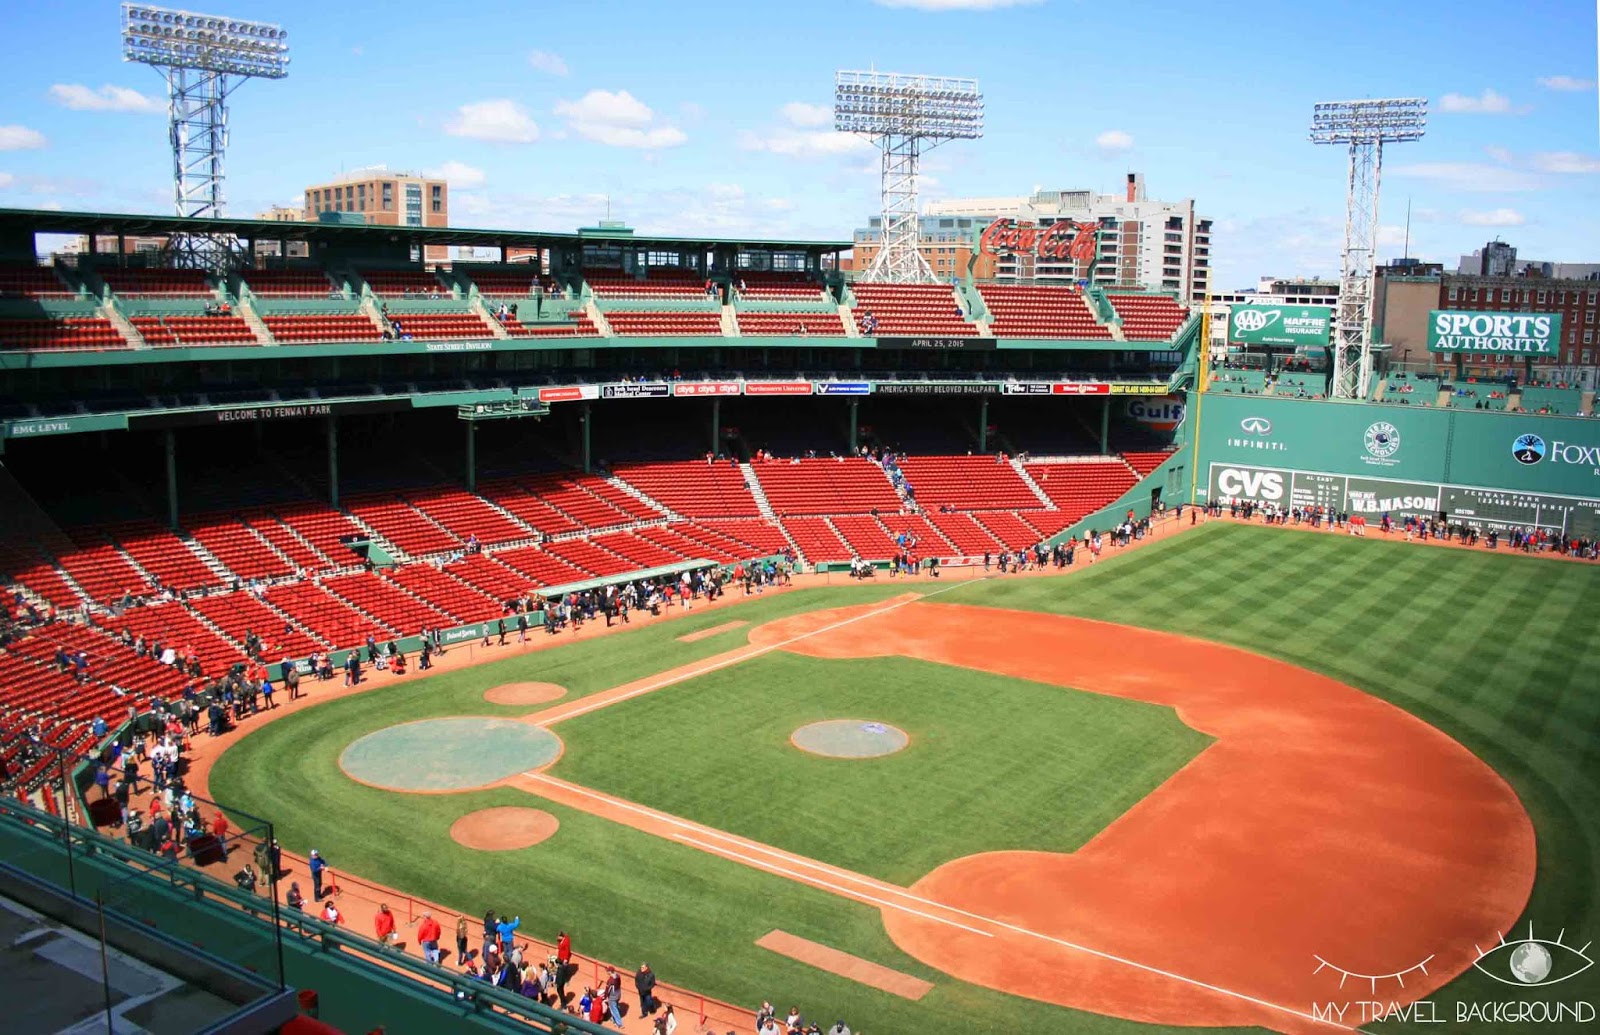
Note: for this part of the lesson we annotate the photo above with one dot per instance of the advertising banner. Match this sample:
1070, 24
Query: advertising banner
1140, 388
1506, 334
924, 388
703, 388
1485, 508
1163, 414
777, 388
637, 390
844, 388
569, 393
1299, 326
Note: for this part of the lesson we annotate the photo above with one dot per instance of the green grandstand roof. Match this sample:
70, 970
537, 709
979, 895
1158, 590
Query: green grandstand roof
129, 224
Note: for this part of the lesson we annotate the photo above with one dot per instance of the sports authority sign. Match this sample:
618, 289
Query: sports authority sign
1507, 334
1299, 326
1059, 241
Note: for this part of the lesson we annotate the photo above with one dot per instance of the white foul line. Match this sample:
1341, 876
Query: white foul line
753, 653
818, 882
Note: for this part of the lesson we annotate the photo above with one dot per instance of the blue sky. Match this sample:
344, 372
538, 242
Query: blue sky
712, 117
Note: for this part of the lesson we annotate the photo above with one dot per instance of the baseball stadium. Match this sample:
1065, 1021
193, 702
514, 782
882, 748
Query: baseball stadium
418, 628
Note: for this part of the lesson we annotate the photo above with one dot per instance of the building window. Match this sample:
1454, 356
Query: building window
388, 196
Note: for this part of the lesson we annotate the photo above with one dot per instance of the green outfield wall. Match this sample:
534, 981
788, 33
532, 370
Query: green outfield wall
1489, 468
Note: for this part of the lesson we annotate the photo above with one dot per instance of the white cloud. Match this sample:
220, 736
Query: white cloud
1487, 103
20, 138
459, 175
108, 98
6, 180
956, 5
546, 62
793, 143
499, 121
1114, 140
1499, 154
1494, 217
618, 119
1566, 162
1475, 177
1566, 83
799, 113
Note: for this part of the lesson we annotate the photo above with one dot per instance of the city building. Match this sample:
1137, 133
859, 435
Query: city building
1499, 259
1143, 243
385, 198
282, 214
1405, 297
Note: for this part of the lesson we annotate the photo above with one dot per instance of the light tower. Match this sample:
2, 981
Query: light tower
203, 58
1365, 126
905, 115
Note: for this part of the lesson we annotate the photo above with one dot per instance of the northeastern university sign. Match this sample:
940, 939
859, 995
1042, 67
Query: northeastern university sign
1507, 334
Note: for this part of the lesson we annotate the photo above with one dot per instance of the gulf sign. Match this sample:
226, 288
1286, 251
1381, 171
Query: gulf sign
1507, 334
1164, 413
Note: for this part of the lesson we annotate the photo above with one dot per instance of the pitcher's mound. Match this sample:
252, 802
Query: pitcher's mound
525, 693
503, 829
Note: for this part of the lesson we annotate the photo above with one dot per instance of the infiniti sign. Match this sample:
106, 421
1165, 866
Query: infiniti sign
1256, 426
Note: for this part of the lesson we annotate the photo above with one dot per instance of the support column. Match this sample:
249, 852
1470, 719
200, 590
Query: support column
472, 455
172, 479
588, 458
855, 439
332, 426
1105, 426
983, 424
716, 426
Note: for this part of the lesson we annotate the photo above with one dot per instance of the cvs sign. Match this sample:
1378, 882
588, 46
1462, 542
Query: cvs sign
1249, 483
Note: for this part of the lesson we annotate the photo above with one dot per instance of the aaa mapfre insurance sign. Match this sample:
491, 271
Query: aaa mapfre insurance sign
1060, 240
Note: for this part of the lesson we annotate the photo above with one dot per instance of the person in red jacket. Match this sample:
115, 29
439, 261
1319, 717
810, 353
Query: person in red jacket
383, 925
428, 934
597, 1010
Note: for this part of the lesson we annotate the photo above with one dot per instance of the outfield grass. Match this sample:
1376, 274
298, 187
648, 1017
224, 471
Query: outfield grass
994, 763
1494, 650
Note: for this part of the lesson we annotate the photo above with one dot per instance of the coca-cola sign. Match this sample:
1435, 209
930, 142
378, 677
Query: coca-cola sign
1065, 239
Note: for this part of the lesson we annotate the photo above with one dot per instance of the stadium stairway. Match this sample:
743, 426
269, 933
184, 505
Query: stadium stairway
596, 317
1027, 479
762, 506
624, 487
223, 573
124, 326
730, 321
475, 304
246, 311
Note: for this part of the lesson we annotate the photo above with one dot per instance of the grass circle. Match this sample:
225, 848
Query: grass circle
850, 738
448, 754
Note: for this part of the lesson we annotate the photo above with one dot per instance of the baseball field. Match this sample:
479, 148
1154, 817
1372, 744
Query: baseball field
1239, 777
